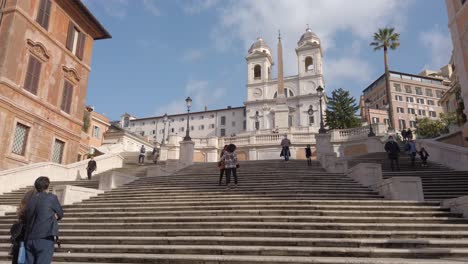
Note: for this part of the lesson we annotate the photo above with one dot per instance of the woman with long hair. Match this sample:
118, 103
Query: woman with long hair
17, 230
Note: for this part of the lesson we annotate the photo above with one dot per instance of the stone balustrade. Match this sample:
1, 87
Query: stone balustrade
26, 175
343, 135
452, 156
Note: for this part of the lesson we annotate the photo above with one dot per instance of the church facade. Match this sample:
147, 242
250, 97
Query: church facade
273, 108
298, 92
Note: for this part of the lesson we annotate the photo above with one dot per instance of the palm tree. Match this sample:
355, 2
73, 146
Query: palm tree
386, 38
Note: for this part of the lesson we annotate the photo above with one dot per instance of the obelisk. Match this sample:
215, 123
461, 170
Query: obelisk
281, 108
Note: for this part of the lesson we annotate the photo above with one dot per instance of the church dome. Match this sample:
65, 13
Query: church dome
308, 36
260, 45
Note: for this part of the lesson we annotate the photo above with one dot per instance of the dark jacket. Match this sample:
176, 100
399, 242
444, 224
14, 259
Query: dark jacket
392, 148
92, 165
41, 222
308, 152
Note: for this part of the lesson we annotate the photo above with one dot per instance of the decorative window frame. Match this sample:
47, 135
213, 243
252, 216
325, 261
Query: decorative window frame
27, 152
64, 154
39, 50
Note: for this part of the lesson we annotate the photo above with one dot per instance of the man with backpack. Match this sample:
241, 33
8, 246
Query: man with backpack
41, 228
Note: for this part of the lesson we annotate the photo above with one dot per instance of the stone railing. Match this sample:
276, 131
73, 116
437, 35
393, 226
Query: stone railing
26, 175
269, 139
342, 135
452, 156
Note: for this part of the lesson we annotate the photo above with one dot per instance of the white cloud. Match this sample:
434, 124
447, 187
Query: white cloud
150, 6
439, 46
347, 69
245, 20
192, 55
202, 94
195, 7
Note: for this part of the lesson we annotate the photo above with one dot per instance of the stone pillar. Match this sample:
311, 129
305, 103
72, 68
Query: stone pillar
323, 145
186, 152
281, 108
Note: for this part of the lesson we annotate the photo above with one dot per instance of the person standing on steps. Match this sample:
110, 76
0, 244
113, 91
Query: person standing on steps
285, 144
141, 157
42, 214
409, 134
155, 155
92, 166
393, 150
411, 148
221, 164
230, 164
308, 153
403, 135
424, 155
17, 230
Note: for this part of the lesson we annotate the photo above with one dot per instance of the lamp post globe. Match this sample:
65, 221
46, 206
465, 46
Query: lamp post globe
188, 102
322, 129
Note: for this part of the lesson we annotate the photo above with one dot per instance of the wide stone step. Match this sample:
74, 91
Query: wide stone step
108, 258
408, 209
268, 212
266, 250
238, 192
299, 196
362, 233
268, 201
258, 241
257, 218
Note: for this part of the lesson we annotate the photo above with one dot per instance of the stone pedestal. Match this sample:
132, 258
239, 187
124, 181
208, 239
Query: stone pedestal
114, 180
68, 194
281, 116
186, 152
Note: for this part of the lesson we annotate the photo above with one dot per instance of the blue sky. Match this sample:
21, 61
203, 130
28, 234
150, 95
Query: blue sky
163, 51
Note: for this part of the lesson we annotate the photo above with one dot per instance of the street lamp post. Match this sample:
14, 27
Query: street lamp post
371, 130
188, 102
322, 129
163, 141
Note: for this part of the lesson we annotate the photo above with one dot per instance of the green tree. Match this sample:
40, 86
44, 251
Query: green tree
384, 39
86, 121
341, 110
428, 128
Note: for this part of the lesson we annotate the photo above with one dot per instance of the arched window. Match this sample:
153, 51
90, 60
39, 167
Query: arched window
257, 72
309, 64
287, 93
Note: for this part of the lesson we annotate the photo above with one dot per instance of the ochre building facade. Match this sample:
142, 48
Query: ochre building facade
45, 58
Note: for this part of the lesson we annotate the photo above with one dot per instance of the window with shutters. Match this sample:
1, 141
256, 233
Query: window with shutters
33, 73
20, 139
67, 96
223, 120
96, 132
57, 154
223, 132
43, 14
75, 41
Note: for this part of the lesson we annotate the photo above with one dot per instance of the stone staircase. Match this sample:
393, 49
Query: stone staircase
279, 213
14, 197
439, 182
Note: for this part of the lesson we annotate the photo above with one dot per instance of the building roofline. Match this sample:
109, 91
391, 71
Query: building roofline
104, 34
397, 72
184, 114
